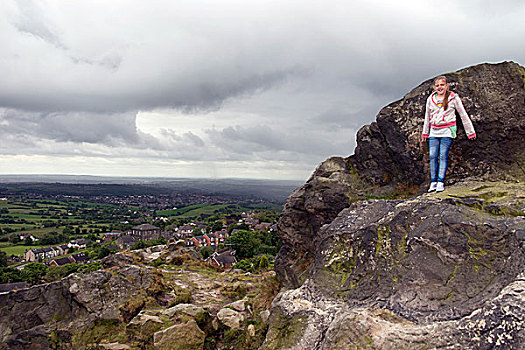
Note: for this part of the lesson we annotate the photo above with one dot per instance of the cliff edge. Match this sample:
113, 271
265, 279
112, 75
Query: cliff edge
415, 271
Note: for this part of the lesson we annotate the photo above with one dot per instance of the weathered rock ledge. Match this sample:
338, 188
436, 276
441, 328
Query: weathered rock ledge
435, 271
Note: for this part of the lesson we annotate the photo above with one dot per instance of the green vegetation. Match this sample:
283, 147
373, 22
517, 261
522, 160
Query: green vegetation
251, 243
55, 222
151, 243
36, 272
204, 210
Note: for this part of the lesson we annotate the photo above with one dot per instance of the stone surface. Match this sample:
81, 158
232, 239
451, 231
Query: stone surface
230, 318
188, 309
390, 159
114, 346
265, 315
186, 336
251, 330
77, 301
239, 305
436, 271
143, 325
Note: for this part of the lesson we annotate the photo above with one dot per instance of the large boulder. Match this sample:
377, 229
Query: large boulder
74, 303
184, 336
429, 271
416, 273
230, 318
391, 160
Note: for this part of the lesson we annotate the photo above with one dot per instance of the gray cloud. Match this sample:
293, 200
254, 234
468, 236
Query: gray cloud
294, 80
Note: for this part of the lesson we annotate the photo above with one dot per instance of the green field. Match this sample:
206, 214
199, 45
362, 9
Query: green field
198, 210
38, 216
18, 249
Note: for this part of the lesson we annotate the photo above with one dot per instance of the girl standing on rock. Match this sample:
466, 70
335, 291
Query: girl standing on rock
440, 129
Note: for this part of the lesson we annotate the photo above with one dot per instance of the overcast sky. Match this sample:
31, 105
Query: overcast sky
247, 88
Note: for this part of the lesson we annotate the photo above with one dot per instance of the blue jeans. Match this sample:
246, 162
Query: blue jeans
439, 147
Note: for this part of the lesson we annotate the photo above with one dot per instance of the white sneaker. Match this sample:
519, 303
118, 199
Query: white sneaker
433, 186
440, 187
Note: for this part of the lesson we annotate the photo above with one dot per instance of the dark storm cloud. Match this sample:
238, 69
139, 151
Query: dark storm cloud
261, 139
75, 127
294, 79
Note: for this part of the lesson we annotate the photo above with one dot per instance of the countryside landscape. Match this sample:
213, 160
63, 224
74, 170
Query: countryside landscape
59, 223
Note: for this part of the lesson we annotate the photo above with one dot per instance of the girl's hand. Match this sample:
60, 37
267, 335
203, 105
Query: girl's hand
424, 137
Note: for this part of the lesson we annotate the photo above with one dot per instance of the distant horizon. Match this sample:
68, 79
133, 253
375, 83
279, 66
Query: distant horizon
134, 177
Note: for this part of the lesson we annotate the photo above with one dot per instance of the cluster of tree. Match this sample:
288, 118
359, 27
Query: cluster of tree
145, 244
101, 251
256, 263
251, 243
36, 272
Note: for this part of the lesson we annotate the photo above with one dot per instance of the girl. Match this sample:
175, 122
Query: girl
440, 129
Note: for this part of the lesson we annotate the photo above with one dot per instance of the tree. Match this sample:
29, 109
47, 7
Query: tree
245, 265
103, 252
245, 243
263, 263
3, 259
216, 226
14, 238
206, 252
34, 271
28, 240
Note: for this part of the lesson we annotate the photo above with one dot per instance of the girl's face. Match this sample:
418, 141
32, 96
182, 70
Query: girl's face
440, 86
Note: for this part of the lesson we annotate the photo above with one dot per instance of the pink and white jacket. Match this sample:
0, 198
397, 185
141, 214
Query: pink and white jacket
437, 118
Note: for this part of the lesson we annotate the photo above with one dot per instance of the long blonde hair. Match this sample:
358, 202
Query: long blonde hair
447, 93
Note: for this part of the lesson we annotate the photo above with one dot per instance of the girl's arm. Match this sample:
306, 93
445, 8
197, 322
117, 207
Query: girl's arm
426, 124
467, 123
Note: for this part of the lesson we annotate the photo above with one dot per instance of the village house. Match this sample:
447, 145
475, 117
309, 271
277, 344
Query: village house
263, 226
24, 235
79, 258
249, 214
197, 241
220, 237
145, 232
79, 243
185, 231
126, 241
42, 253
251, 222
224, 258
60, 261
109, 236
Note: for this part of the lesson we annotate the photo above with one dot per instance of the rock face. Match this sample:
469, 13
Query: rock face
77, 301
390, 159
137, 302
431, 271
186, 336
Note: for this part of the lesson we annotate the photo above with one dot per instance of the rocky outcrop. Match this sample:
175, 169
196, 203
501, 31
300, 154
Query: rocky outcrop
429, 271
78, 301
230, 318
185, 336
158, 298
390, 159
